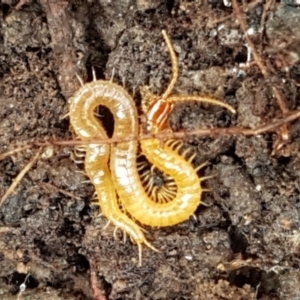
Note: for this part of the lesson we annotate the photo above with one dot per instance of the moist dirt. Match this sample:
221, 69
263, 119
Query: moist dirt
243, 242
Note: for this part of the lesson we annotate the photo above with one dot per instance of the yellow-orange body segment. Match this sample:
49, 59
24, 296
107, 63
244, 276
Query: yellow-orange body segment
87, 127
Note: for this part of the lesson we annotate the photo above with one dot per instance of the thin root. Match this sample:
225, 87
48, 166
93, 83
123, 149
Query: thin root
20, 177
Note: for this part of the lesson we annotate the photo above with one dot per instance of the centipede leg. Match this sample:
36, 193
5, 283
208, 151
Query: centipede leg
206, 177
202, 166
115, 232
140, 250
150, 246
85, 181
112, 75
79, 79
81, 172
79, 162
107, 224
140, 254
94, 74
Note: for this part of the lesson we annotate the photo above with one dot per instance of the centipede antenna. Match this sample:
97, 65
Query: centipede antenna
94, 74
79, 79
205, 190
174, 63
204, 99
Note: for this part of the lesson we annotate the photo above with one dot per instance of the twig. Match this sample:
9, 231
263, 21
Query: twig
97, 293
263, 68
68, 194
256, 56
9, 153
20, 177
293, 115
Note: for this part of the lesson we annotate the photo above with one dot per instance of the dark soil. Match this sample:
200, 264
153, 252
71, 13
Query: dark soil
243, 243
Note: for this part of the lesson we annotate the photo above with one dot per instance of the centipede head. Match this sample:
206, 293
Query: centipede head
156, 109
158, 114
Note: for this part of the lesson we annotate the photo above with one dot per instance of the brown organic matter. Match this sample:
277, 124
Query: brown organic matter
243, 242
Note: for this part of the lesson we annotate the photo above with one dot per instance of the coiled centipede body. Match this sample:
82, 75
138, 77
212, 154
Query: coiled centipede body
86, 127
113, 169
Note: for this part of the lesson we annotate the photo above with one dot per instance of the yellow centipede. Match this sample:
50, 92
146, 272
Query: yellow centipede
87, 127
130, 189
122, 177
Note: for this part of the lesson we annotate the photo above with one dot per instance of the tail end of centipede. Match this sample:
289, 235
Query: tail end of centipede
140, 250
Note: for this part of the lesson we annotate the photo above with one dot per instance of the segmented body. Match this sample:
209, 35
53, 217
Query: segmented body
122, 175
158, 186
87, 127
164, 207
132, 193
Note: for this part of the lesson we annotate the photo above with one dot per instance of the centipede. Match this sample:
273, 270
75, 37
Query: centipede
86, 126
113, 169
